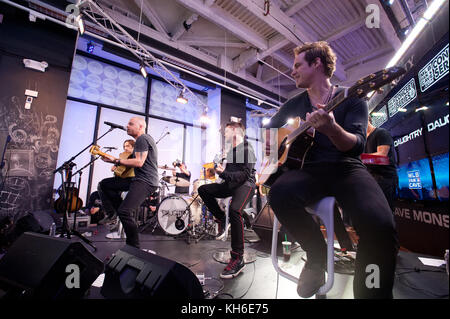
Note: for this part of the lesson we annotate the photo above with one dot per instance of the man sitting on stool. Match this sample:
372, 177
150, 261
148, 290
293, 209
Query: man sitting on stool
239, 182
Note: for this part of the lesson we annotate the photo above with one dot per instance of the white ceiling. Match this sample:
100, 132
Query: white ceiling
243, 38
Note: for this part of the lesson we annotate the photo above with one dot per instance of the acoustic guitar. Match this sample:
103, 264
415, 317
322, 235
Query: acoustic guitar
296, 139
121, 170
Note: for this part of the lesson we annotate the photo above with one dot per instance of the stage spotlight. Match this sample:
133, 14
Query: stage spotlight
204, 118
181, 99
143, 70
90, 47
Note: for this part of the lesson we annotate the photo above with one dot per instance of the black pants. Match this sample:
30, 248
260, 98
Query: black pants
240, 197
137, 194
109, 190
388, 185
359, 196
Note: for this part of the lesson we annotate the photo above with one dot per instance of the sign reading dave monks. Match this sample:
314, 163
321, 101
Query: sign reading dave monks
434, 70
402, 98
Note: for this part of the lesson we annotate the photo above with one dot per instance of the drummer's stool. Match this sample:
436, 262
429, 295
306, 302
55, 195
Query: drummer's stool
324, 209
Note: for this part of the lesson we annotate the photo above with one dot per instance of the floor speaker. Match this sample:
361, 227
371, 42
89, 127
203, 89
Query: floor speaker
263, 227
135, 274
44, 267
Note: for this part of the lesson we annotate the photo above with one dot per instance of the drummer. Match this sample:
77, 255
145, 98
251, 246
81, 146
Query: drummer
184, 174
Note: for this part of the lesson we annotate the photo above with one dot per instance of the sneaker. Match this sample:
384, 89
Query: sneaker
310, 281
234, 267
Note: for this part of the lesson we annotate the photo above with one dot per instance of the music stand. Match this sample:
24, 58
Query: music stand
67, 166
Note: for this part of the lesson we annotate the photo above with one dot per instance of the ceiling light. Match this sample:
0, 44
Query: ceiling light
204, 118
427, 16
143, 70
181, 99
80, 23
422, 108
265, 120
402, 110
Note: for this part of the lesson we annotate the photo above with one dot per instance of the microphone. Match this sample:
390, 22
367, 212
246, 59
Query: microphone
116, 126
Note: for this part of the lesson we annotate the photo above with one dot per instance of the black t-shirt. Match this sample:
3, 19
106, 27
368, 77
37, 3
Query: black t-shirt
351, 115
378, 137
240, 165
179, 189
148, 173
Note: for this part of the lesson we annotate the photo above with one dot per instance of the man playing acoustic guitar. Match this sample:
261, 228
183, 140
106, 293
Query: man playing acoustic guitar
332, 168
110, 188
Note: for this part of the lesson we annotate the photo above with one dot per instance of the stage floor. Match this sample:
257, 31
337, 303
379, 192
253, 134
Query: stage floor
259, 279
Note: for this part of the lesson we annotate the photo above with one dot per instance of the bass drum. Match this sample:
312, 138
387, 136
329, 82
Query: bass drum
173, 215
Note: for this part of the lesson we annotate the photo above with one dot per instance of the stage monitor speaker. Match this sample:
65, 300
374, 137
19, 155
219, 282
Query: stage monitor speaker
263, 226
135, 274
43, 267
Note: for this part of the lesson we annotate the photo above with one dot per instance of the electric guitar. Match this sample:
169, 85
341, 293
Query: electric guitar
295, 140
121, 170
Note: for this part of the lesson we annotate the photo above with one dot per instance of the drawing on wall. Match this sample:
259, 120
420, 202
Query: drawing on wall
30, 158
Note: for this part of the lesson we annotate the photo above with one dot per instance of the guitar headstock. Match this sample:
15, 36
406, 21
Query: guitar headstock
375, 81
95, 150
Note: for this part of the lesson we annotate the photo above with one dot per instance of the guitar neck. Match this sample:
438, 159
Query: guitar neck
334, 103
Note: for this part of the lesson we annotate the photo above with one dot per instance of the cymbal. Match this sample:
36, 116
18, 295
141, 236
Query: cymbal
165, 167
180, 182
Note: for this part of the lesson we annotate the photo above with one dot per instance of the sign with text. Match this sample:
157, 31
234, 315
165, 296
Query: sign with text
414, 180
379, 117
434, 70
402, 98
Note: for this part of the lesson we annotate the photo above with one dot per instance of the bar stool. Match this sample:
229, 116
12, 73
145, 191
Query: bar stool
324, 209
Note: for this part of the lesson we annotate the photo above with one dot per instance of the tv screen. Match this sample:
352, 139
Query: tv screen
415, 181
440, 166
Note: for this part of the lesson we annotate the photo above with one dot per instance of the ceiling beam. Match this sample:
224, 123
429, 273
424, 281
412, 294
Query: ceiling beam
297, 7
344, 30
212, 42
225, 20
181, 29
368, 56
152, 16
131, 23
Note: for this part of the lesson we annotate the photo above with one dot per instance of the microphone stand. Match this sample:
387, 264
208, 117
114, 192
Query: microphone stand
67, 166
164, 135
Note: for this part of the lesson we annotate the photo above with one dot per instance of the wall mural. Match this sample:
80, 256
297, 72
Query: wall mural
30, 158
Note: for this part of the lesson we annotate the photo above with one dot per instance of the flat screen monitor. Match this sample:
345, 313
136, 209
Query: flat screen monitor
415, 181
440, 166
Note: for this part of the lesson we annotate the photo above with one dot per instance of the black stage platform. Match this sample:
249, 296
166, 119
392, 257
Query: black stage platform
259, 279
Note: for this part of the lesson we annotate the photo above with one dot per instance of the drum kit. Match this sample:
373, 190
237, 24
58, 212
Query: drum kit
183, 215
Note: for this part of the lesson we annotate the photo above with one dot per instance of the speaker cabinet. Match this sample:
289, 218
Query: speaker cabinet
135, 274
44, 267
